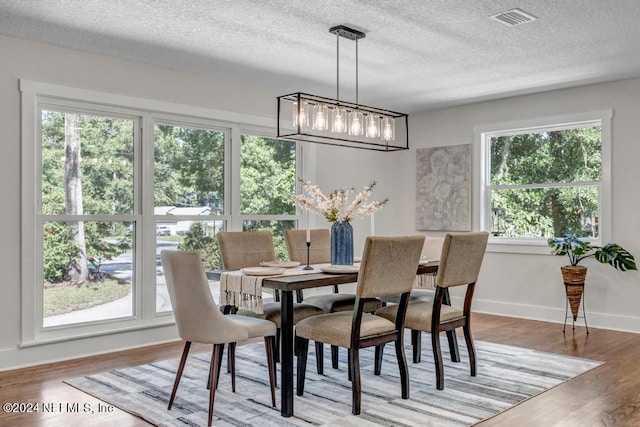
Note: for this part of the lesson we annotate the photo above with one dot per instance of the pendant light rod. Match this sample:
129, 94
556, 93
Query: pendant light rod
357, 72
337, 66
351, 34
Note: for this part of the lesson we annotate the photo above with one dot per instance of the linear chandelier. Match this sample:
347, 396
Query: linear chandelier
311, 118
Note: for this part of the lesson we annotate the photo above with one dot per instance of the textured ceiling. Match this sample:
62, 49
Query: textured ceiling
417, 54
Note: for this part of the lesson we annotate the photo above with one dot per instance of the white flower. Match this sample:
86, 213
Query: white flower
336, 206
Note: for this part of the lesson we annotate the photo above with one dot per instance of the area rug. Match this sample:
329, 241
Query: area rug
506, 376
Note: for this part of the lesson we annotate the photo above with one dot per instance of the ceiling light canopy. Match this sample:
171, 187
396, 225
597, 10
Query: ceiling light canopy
311, 118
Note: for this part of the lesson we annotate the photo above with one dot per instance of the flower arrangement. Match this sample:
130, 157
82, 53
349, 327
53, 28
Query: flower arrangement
336, 206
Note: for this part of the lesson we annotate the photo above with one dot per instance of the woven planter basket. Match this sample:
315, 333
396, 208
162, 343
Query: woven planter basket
573, 277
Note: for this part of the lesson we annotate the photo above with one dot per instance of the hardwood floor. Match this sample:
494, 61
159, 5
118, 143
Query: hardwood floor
606, 396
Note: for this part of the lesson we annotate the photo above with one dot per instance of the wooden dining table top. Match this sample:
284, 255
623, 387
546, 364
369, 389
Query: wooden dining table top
320, 279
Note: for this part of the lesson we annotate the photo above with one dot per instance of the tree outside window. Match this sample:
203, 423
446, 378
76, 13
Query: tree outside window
545, 182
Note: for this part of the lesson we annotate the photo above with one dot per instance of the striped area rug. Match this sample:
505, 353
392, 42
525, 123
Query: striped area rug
506, 376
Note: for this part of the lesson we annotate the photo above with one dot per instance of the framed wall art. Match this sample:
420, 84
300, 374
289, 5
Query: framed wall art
443, 188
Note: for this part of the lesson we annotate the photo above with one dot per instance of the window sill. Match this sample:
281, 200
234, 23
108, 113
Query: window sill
518, 246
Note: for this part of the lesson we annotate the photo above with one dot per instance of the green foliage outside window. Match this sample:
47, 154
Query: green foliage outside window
546, 183
267, 185
106, 170
188, 172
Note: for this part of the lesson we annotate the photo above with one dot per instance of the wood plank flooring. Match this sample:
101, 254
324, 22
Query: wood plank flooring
606, 396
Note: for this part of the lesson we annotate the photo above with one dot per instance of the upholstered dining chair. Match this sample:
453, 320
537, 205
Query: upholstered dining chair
241, 249
320, 253
200, 320
424, 289
388, 267
460, 262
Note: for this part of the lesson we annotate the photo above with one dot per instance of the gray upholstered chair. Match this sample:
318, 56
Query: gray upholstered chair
388, 267
460, 262
199, 320
320, 253
241, 249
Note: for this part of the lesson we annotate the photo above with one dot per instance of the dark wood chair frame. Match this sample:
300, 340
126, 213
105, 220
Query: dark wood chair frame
357, 343
214, 371
463, 322
416, 341
441, 297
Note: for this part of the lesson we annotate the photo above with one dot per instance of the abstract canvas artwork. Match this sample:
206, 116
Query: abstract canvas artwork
443, 188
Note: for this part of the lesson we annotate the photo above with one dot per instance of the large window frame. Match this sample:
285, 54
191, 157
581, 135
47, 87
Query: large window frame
146, 113
483, 188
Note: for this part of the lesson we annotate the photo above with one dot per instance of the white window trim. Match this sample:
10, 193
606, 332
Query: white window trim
481, 196
148, 111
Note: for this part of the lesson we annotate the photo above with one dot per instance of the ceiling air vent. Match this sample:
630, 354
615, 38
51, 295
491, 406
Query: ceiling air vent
514, 17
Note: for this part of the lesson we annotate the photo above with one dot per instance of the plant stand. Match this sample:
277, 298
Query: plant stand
575, 293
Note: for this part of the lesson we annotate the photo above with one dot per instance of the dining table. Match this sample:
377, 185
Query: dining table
287, 286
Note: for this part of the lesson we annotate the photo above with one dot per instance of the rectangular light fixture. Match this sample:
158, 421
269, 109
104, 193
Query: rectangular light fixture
312, 118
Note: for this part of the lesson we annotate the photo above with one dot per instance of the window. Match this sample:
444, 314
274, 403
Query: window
268, 187
544, 178
86, 207
111, 181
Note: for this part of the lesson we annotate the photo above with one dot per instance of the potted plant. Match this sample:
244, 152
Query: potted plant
576, 249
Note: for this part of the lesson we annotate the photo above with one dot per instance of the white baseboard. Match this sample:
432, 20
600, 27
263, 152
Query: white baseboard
16, 358
554, 315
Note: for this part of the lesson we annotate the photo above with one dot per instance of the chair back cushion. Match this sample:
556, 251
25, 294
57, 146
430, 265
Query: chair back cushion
319, 251
197, 316
461, 258
432, 247
240, 249
389, 265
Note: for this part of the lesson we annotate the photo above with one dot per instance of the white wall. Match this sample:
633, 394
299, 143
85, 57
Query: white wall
530, 286
518, 285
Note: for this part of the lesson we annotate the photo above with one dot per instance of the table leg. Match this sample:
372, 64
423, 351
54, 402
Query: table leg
286, 354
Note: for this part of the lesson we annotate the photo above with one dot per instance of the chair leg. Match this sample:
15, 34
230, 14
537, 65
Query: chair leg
216, 358
437, 358
416, 343
472, 349
320, 357
453, 345
334, 356
302, 344
402, 365
271, 365
356, 386
220, 362
231, 364
183, 359
377, 361
276, 349
349, 364
220, 357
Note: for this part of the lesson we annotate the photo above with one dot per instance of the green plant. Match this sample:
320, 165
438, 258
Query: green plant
577, 250
58, 251
198, 238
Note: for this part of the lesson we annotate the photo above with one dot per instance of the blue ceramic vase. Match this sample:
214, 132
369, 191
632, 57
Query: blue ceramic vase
341, 243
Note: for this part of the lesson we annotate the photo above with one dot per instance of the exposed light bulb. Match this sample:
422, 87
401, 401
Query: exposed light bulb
355, 126
339, 120
300, 115
388, 129
320, 121
373, 126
